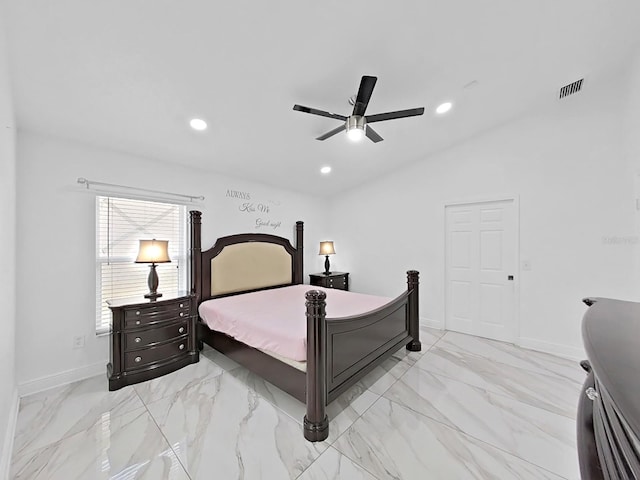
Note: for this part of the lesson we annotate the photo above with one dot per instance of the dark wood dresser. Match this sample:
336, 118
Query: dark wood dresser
339, 280
151, 338
608, 424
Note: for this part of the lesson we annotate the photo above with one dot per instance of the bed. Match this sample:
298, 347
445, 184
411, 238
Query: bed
339, 351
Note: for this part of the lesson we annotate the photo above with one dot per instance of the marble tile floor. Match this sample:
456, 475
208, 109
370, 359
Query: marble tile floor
463, 408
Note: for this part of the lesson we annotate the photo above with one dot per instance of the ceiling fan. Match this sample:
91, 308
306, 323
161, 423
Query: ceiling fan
356, 125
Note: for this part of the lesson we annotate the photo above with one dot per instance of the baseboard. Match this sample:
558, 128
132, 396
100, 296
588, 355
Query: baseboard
566, 351
428, 322
62, 378
7, 444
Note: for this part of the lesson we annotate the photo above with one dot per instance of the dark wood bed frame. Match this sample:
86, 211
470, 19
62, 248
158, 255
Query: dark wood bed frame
339, 351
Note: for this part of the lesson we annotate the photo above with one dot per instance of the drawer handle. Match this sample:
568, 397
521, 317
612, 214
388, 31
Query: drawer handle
137, 359
137, 312
137, 322
181, 330
181, 305
182, 314
138, 340
591, 393
181, 347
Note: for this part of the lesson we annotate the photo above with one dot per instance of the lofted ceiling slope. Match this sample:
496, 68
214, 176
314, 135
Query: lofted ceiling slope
130, 75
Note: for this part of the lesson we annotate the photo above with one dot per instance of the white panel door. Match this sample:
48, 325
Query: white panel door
480, 269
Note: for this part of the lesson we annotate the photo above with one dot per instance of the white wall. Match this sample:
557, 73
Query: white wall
56, 234
632, 133
8, 393
568, 166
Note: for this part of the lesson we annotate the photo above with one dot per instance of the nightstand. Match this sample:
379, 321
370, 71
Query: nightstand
339, 280
151, 338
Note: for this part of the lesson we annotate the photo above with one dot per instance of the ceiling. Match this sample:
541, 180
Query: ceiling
129, 75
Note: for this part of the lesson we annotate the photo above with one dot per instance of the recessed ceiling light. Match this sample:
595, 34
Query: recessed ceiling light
198, 124
325, 170
444, 108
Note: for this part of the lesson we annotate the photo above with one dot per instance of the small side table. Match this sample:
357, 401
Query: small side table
151, 338
338, 280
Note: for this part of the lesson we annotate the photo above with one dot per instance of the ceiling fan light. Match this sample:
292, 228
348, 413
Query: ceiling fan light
355, 134
355, 127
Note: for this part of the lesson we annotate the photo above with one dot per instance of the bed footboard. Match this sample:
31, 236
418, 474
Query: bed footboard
341, 351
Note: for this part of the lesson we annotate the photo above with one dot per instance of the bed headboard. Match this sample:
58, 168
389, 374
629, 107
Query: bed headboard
244, 262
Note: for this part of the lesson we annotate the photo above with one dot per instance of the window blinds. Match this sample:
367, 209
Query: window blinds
121, 223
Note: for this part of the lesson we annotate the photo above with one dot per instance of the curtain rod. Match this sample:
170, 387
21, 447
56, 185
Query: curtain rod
88, 183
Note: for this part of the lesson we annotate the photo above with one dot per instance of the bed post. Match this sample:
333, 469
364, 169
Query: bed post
299, 255
413, 307
316, 423
195, 251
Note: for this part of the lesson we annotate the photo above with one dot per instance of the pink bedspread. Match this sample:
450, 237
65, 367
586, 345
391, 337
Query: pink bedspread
275, 319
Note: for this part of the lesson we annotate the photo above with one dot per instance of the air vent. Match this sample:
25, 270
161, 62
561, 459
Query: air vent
572, 88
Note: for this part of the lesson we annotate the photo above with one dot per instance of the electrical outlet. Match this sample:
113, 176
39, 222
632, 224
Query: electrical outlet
78, 341
526, 265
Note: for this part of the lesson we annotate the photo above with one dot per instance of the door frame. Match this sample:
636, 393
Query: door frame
516, 287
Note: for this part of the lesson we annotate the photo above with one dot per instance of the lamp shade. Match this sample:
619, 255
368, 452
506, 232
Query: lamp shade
326, 248
153, 251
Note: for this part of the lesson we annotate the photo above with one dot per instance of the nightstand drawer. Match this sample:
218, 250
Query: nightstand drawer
144, 338
337, 282
156, 313
140, 358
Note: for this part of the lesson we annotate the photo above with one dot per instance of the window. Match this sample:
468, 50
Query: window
121, 223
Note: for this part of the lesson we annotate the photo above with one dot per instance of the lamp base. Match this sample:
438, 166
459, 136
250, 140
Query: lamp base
327, 265
153, 283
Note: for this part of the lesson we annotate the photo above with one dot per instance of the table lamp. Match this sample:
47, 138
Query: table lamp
153, 251
326, 248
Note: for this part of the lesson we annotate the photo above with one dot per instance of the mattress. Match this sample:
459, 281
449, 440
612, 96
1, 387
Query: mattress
275, 321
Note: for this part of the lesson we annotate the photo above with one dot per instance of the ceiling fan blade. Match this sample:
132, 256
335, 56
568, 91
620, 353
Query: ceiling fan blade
380, 117
322, 113
373, 135
364, 94
331, 133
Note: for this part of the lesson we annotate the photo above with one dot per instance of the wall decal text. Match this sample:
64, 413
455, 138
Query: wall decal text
248, 205
237, 194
